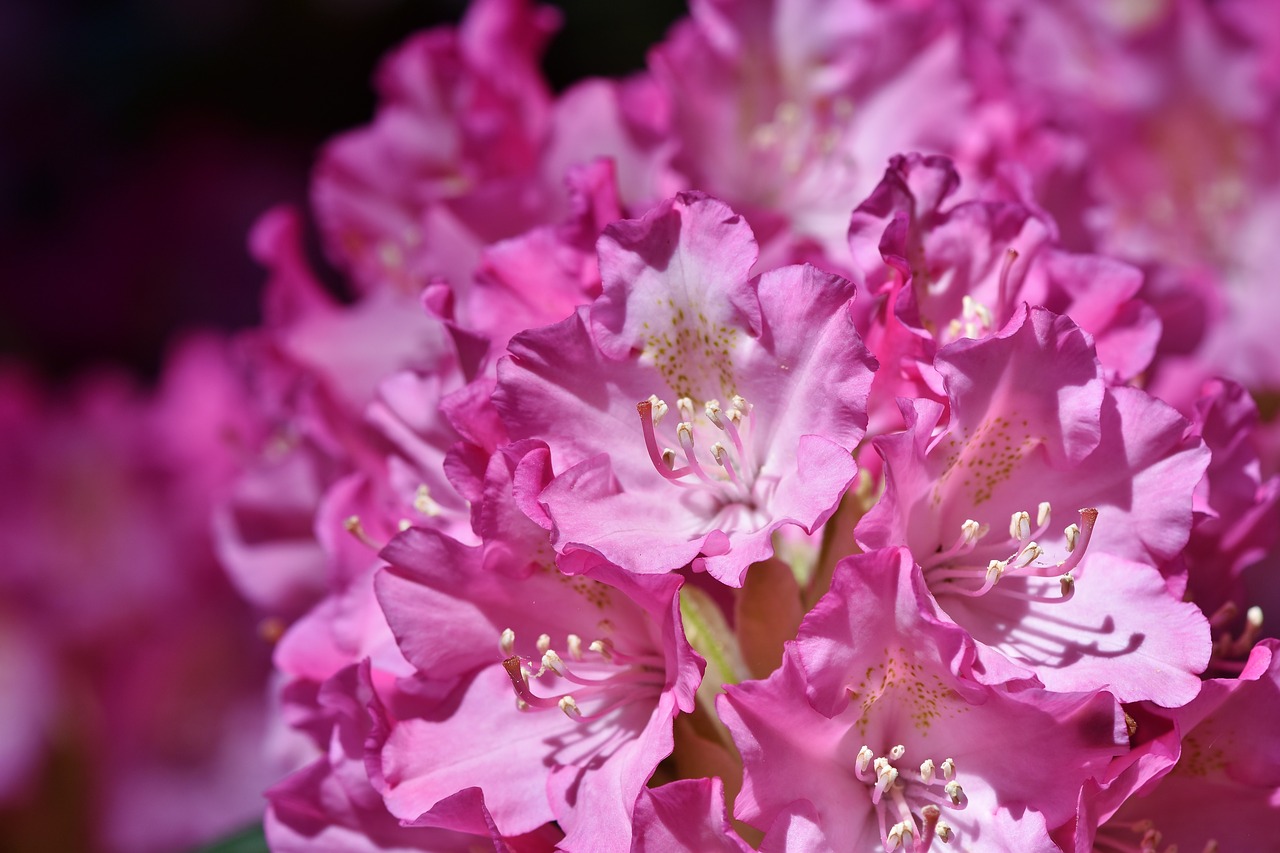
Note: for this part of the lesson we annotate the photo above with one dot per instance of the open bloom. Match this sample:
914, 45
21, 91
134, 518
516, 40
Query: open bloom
874, 720
1033, 434
573, 681
691, 410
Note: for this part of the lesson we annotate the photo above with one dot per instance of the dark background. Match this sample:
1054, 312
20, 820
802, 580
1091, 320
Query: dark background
140, 139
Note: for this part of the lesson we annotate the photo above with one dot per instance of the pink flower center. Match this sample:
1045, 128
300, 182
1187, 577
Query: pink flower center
909, 803
951, 572
600, 679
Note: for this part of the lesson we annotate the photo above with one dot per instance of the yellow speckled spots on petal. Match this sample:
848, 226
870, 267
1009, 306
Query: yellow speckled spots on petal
924, 698
986, 458
1200, 760
694, 355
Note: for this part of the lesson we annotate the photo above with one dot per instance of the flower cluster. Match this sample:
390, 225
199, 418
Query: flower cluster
695, 464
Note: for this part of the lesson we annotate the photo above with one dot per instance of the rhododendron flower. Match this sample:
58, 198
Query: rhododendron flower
788, 110
765, 378
874, 719
1223, 793
1033, 430
577, 678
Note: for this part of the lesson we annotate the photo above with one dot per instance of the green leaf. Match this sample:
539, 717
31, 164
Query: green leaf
248, 840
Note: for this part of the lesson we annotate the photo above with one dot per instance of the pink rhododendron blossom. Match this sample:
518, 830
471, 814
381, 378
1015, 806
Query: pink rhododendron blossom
456, 140
789, 110
578, 679
1032, 430
875, 721
1228, 768
961, 270
766, 376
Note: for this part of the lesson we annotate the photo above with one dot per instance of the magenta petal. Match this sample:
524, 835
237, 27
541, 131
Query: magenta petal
688, 814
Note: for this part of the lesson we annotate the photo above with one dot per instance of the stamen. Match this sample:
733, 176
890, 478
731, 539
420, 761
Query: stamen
423, 502
864, 759
1010, 256
926, 771
684, 432
353, 526
1029, 554
552, 662
575, 646
954, 792
570, 706
685, 405
1088, 517
1042, 514
897, 752
948, 768
944, 832
603, 648
507, 642
1020, 526
1073, 534
722, 457
659, 408
544, 643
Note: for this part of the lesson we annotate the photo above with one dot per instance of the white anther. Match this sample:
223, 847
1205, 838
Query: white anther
893, 840
886, 775
897, 752
955, 328
994, 570
403, 524
971, 531
1029, 554
569, 706
735, 417
943, 832
713, 410
1073, 534
575, 646
685, 405
601, 648
954, 792
926, 771
544, 643
423, 502
659, 408
864, 759
669, 458
1020, 526
684, 430
1067, 584
552, 661
948, 768
508, 641
740, 403
1042, 514
718, 451
1253, 616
